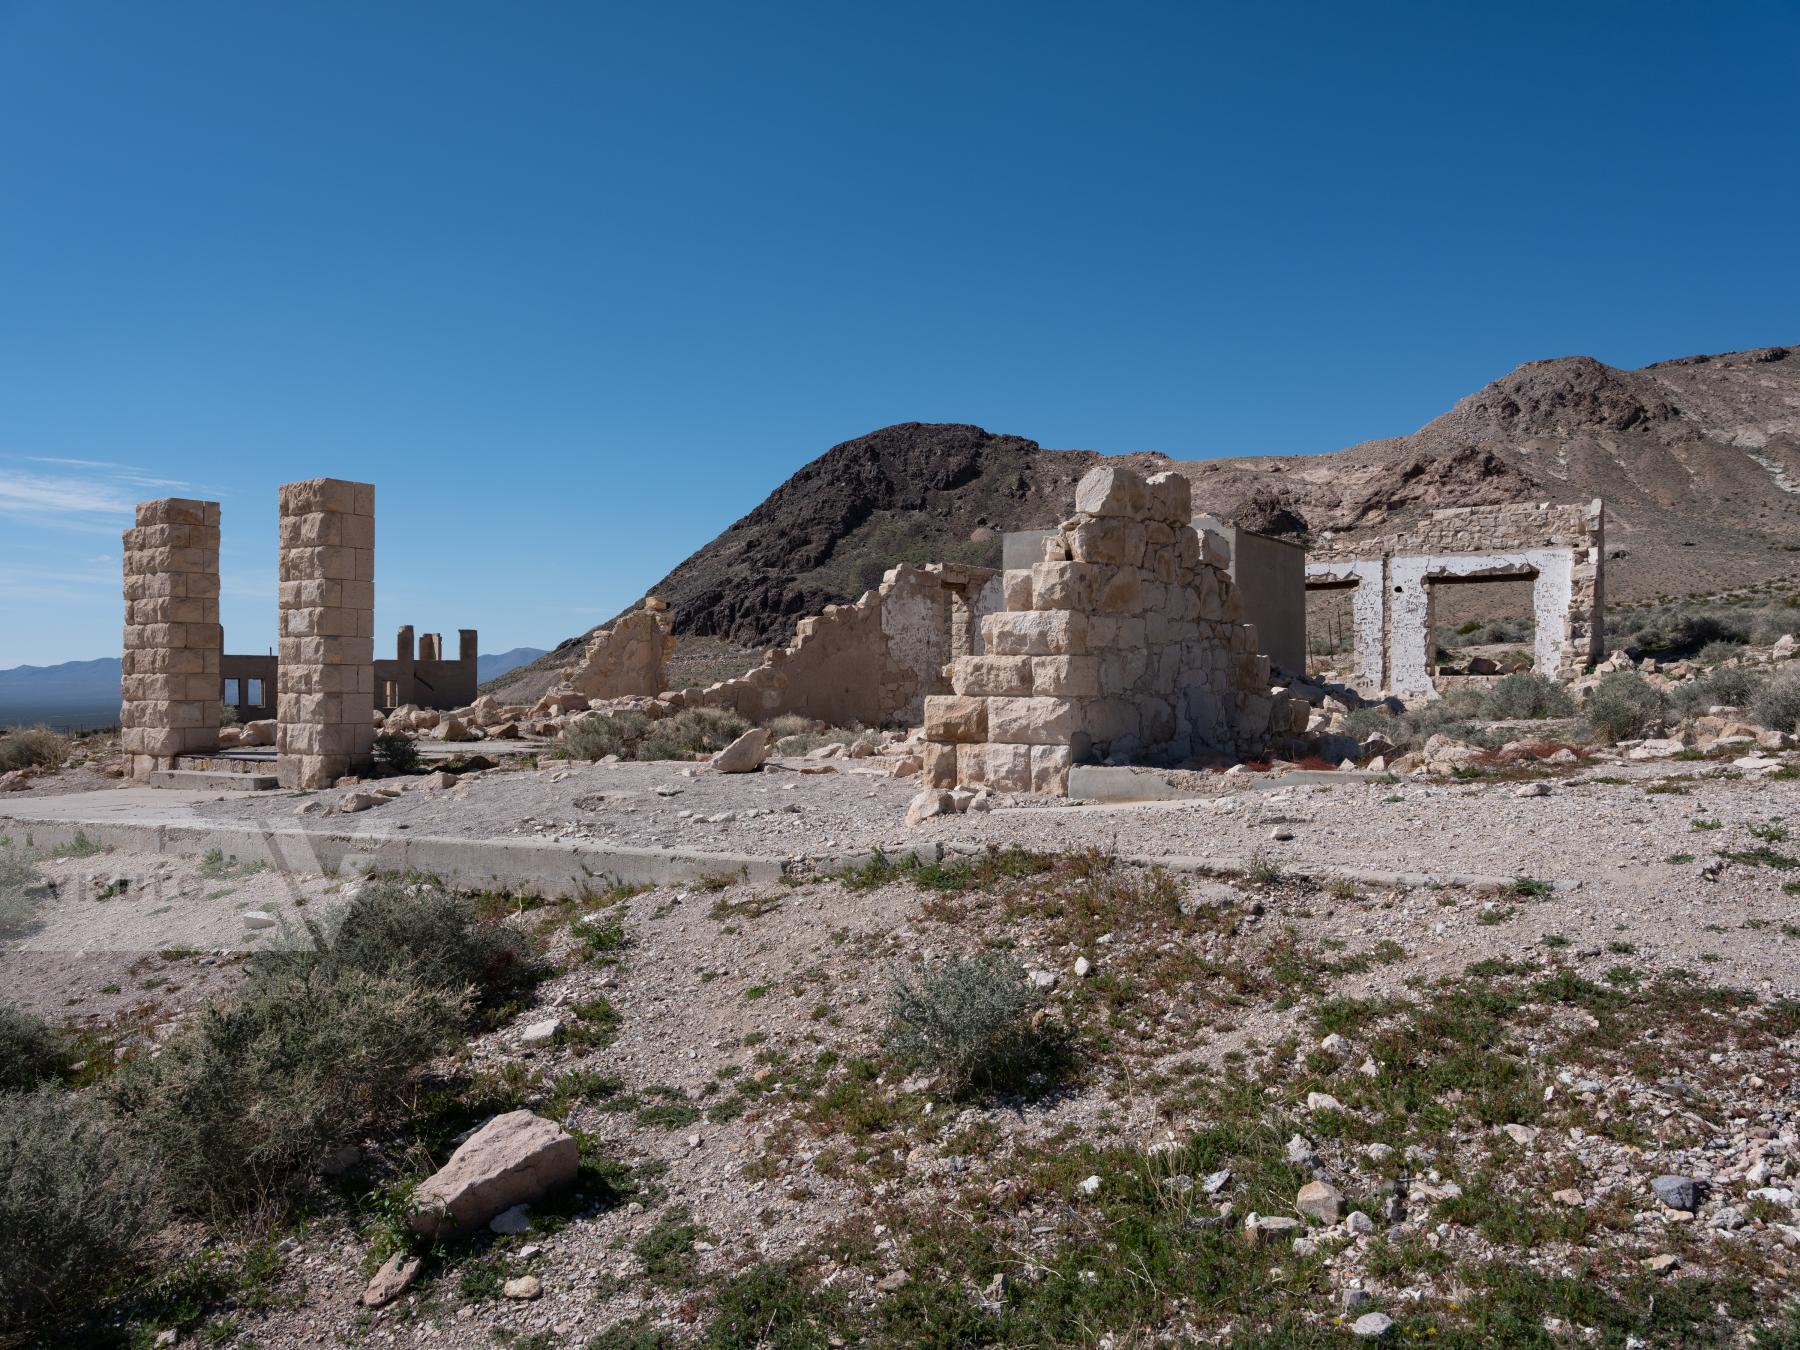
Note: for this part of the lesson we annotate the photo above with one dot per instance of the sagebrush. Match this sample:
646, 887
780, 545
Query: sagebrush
31, 1052
1623, 705
32, 748
1777, 704
971, 1020
631, 735
244, 1104
77, 1207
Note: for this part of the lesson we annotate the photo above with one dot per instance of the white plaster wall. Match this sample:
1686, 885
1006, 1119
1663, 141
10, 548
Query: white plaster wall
1367, 602
1410, 607
1551, 596
915, 622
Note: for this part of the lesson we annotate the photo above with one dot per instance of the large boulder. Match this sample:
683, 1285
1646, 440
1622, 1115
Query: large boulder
514, 1159
261, 732
745, 754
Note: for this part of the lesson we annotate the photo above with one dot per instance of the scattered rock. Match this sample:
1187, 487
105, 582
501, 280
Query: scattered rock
1263, 1229
524, 1287
1372, 1325
745, 754
928, 804
538, 1033
510, 1222
1681, 1193
393, 1279
1320, 1200
1569, 1196
515, 1158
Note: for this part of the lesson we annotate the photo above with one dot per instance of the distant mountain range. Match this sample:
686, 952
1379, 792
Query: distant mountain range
78, 695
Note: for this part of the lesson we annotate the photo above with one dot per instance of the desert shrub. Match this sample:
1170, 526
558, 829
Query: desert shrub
21, 889
791, 724
690, 732
30, 1051
243, 1104
1730, 686
1532, 696
417, 929
1714, 652
1492, 633
970, 1020
1677, 631
77, 1207
602, 734
1777, 704
32, 748
1623, 705
396, 752
629, 735
1362, 723
1771, 625
805, 741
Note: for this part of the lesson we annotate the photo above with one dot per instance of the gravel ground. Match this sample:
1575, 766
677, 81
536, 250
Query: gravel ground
723, 986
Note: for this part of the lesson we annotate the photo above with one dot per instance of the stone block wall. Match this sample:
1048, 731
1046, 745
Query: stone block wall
871, 663
1125, 643
171, 686
325, 717
625, 660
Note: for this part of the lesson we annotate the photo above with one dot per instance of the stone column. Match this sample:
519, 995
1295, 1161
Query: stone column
171, 686
327, 702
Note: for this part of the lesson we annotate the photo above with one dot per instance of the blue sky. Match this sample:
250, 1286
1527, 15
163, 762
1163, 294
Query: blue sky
575, 284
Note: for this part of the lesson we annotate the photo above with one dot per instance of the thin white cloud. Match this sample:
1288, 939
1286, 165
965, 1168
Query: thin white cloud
35, 494
97, 500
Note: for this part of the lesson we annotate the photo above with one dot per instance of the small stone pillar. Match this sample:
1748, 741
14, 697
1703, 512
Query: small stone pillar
326, 725
172, 694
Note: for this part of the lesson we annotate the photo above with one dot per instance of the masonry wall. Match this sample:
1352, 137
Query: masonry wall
1124, 643
420, 674
326, 705
625, 660
871, 663
173, 643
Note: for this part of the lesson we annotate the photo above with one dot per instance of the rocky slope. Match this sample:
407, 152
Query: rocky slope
1698, 460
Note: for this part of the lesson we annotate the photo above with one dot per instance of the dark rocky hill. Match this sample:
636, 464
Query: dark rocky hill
1698, 459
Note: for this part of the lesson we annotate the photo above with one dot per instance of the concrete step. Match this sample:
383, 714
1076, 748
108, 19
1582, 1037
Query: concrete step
229, 761
200, 780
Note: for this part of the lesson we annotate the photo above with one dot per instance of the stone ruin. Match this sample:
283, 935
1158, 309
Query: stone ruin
171, 689
325, 724
1126, 643
1127, 640
1561, 549
872, 663
625, 660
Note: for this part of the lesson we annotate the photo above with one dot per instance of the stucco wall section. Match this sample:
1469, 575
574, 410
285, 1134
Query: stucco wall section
1561, 547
